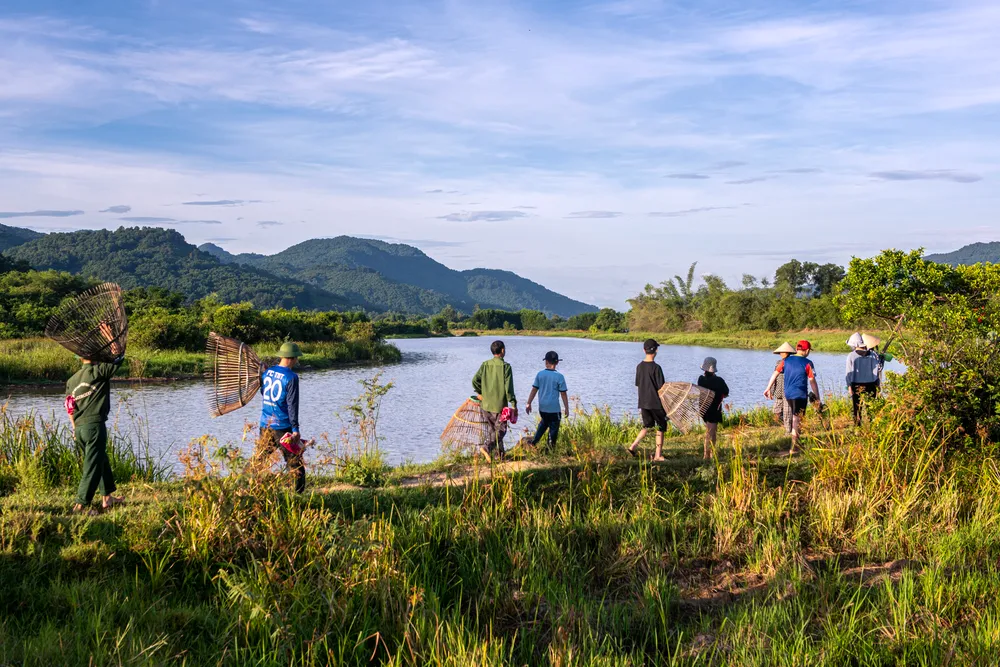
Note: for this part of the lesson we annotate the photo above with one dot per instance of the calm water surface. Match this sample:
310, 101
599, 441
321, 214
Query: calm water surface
429, 384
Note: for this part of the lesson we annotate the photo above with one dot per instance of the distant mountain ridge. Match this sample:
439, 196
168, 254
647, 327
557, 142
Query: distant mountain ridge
974, 253
155, 257
399, 277
322, 274
15, 236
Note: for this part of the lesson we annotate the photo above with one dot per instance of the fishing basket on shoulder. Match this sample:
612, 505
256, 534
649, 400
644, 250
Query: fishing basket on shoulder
235, 371
467, 429
685, 403
92, 325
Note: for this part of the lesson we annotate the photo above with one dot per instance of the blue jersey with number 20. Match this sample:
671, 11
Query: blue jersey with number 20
280, 390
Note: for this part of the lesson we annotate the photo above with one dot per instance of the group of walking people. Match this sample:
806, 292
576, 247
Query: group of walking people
493, 384
792, 386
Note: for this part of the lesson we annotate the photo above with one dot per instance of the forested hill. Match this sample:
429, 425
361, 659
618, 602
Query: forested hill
398, 277
154, 257
322, 274
15, 236
974, 253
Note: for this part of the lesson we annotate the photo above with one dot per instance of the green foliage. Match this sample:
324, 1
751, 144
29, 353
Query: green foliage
11, 237
359, 458
382, 277
29, 298
152, 257
491, 318
581, 322
611, 321
343, 273
801, 297
534, 320
795, 278
947, 320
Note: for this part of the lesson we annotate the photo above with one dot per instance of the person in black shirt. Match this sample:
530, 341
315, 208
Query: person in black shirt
649, 379
714, 413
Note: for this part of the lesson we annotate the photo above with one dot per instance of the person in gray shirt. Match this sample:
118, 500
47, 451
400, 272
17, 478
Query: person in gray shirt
863, 373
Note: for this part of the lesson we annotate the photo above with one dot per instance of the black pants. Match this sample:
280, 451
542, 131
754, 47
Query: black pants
270, 440
550, 422
859, 389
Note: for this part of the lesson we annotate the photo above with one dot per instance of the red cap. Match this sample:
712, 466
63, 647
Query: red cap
803, 345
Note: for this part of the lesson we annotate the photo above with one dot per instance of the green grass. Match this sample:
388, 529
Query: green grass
41, 360
875, 548
823, 341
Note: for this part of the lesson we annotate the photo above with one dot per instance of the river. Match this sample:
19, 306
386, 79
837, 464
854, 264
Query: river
433, 379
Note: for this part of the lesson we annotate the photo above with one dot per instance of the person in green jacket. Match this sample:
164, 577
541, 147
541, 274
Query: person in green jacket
494, 386
88, 402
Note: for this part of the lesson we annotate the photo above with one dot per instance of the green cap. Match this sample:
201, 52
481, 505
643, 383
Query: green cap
289, 351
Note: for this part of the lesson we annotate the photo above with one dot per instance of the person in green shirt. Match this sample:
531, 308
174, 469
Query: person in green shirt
88, 402
494, 386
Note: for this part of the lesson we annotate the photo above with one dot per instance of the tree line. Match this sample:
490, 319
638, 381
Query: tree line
800, 295
164, 320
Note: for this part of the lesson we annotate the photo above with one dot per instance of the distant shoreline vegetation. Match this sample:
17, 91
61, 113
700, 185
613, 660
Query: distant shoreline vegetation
168, 331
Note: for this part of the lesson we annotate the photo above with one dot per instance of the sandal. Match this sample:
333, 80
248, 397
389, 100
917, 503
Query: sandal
631, 452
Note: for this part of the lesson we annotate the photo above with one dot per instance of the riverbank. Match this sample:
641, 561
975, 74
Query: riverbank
822, 340
41, 361
862, 551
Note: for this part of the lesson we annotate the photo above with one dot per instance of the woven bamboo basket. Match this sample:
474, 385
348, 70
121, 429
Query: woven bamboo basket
685, 403
234, 373
92, 325
467, 429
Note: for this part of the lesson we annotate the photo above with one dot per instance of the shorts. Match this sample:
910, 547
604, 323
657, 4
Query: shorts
713, 417
797, 406
650, 417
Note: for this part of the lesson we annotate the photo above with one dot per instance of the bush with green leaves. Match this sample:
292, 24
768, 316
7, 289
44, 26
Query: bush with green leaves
947, 321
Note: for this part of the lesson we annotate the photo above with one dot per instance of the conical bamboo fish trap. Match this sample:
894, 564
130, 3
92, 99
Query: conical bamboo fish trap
93, 325
685, 403
235, 374
468, 428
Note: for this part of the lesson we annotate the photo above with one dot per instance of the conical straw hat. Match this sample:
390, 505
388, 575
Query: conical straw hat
785, 347
870, 340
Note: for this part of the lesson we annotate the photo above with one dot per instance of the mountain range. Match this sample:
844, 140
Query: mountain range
333, 273
974, 253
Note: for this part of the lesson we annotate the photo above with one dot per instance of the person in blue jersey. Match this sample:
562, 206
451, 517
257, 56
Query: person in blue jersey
279, 419
800, 377
550, 386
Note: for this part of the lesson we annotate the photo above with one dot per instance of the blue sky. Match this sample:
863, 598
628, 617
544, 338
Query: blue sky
591, 146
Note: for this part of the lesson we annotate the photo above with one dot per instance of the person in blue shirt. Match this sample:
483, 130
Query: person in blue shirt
279, 419
800, 377
550, 386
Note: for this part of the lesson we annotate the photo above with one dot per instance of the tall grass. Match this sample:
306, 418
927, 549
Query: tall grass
876, 547
40, 454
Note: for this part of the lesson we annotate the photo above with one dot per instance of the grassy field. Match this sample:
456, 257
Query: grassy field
873, 548
40, 360
823, 341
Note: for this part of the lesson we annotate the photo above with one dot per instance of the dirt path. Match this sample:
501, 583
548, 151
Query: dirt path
464, 474
457, 476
